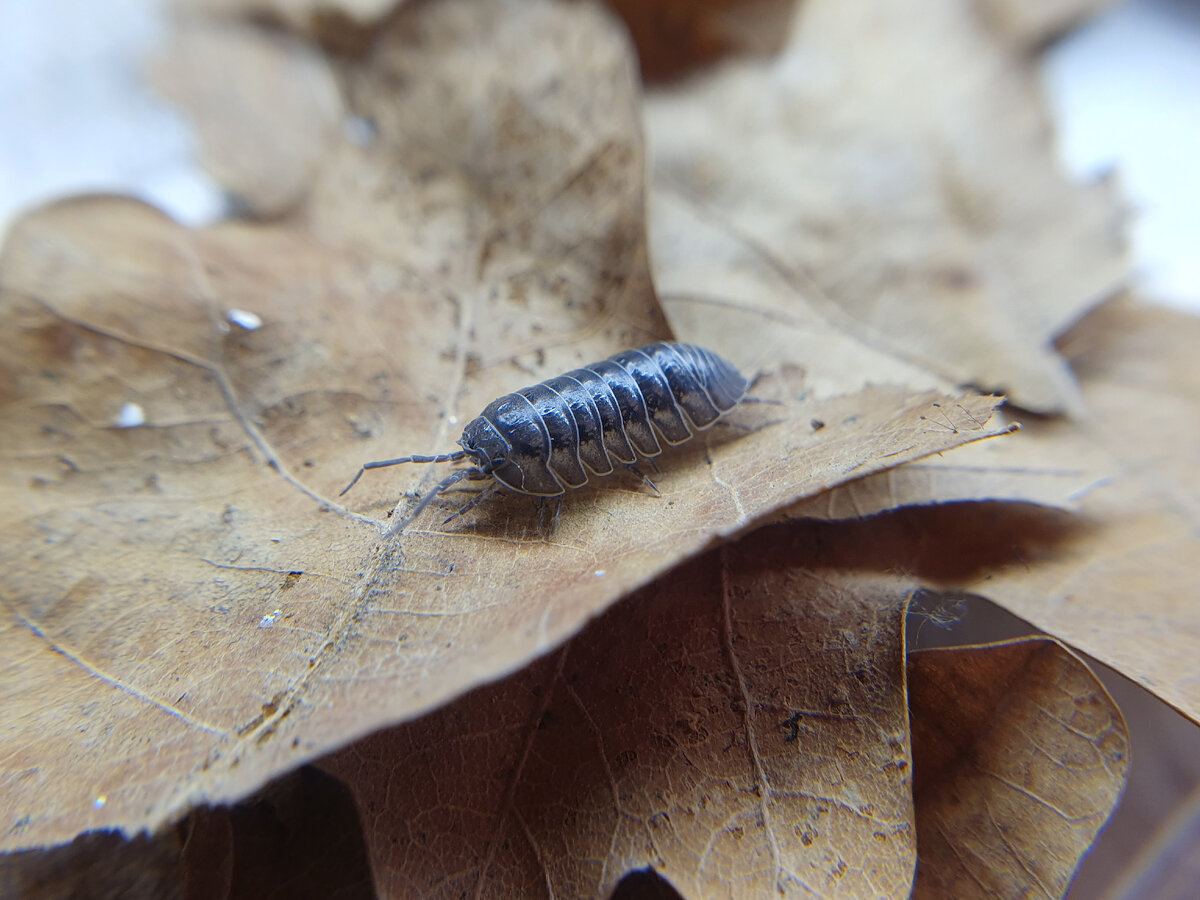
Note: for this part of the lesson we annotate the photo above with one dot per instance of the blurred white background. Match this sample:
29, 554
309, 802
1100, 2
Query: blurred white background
76, 114
1126, 92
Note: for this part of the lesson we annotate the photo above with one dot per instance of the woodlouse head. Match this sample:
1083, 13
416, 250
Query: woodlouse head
484, 444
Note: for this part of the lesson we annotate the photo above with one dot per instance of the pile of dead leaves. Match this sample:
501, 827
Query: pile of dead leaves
445, 201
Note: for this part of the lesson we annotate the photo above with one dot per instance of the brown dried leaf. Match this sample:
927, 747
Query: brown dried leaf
1033, 22
1116, 580
300, 836
1123, 588
98, 865
889, 177
1051, 462
184, 622
739, 726
302, 15
268, 106
675, 36
1020, 758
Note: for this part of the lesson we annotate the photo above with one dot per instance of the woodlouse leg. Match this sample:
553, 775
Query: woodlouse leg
468, 506
758, 376
765, 400
744, 428
646, 478
753, 383
452, 479
541, 526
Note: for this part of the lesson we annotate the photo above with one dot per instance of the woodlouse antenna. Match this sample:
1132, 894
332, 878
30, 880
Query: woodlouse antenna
384, 463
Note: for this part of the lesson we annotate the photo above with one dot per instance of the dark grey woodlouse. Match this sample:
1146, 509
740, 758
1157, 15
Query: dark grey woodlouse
543, 440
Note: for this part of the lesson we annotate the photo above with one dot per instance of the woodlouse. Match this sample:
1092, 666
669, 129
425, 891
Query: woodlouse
543, 440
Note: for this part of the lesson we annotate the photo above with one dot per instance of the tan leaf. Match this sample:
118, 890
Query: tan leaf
1020, 757
188, 611
1123, 588
266, 108
303, 15
675, 36
889, 178
739, 726
299, 836
95, 865
1115, 580
1051, 462
1033, 22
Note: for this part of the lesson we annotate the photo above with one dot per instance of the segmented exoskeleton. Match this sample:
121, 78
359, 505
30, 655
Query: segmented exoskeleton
545, 439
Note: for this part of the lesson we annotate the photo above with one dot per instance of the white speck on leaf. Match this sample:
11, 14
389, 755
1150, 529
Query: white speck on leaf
247, 321
130, 416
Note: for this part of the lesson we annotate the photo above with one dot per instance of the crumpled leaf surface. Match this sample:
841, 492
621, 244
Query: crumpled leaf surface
1052, 463
1116, 579
1122, 588
1033, 22
1020, 757
300, 836
274, 107
95, 865
864, 185
188, 612
316, 16
739, 726
676, 36
1019, 754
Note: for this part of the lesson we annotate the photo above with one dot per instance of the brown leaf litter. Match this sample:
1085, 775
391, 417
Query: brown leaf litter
189, 612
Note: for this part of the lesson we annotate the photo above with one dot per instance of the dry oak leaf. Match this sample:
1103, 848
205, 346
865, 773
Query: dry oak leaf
1122, 587
272, 104
739, 727
356, 200
889, 177
314, 16
675, 36
96, 866
1020, 757
1034, 22
187, 612
1116, 580
299, 836
1051, 463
